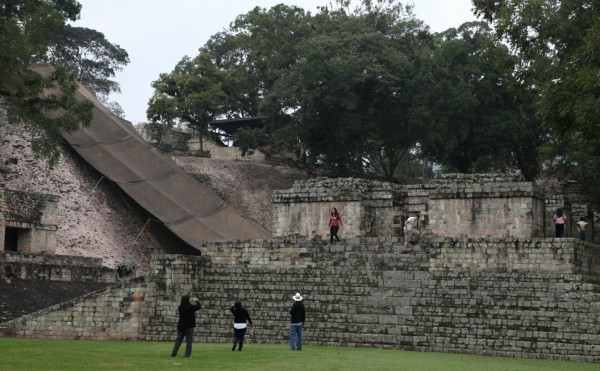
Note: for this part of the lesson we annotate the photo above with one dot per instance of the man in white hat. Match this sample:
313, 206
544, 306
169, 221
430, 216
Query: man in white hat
298, 314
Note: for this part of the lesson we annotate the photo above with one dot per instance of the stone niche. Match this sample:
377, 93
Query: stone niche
28, 221
457, 205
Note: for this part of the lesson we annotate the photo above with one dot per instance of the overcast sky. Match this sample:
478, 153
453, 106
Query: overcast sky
158, 33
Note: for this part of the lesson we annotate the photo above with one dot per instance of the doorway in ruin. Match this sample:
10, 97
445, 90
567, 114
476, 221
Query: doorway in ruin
15, 237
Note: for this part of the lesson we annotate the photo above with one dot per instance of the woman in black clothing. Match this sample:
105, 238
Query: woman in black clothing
187, 321
240, 316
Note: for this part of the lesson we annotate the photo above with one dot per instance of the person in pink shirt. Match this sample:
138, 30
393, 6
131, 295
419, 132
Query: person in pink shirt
560, 220
335, 221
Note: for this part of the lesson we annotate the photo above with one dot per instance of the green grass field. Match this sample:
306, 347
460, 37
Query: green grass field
26, 354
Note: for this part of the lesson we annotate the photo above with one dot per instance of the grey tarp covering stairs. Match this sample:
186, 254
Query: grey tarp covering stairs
190, 210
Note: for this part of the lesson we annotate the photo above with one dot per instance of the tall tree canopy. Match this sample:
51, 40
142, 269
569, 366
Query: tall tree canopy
351, 90
473, 113
358, 91
558, 43
257, 50
87, 53
335, 86
195, 92
26, 27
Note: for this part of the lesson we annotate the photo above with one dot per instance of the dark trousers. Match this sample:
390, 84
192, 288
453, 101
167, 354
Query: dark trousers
333, 233
560, 229
189, 337
238, 336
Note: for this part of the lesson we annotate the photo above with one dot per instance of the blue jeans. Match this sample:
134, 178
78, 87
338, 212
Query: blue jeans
581, 235
296, 335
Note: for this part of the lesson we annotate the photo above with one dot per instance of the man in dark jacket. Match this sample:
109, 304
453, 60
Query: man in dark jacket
185, 326
298, 314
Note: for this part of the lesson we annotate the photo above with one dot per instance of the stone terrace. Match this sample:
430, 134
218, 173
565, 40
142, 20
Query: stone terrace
535, 298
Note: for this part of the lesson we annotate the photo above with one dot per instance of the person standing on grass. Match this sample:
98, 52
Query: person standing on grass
185, 326
335, 221
411, 231
240, 316
298, 314
560, 219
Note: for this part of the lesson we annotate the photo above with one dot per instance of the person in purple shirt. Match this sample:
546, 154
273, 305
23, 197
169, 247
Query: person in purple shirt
335, 222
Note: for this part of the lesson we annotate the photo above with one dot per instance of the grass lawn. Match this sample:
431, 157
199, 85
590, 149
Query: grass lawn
28, 354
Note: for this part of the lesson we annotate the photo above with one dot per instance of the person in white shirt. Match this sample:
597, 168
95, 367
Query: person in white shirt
581, 224
411, 231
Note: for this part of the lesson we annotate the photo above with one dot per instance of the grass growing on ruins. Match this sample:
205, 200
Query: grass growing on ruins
27, 354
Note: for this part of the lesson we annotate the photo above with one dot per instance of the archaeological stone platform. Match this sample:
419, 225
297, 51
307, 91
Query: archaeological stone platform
533, 298
454, 206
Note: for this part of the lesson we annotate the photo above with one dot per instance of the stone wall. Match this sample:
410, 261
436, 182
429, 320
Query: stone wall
165, 138
536, 255
28, 266
368, 208
120, 312
116, 313
512, 297
183, 143
471, 206
226, 153
31, 219
457, 205
535, 298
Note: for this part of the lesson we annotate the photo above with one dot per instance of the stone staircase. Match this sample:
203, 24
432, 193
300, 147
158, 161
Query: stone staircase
345, 287
364, 292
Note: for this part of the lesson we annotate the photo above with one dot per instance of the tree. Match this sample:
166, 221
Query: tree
93, 59
25, 29
248, 58
351, 90
194, 92
90, 56
257, 50
474, 114
558, 45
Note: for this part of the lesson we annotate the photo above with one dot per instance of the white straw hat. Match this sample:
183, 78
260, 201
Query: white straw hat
297, 297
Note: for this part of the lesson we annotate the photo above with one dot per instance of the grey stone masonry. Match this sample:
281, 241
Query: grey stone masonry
122, 311
368, 208
165, 138
534, 298
478, 205
28, 266
32, 219
457, 205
